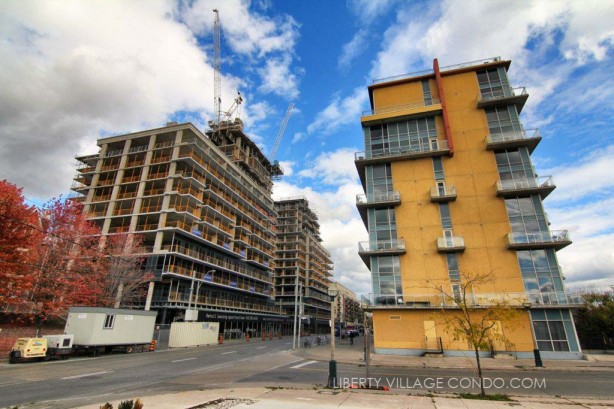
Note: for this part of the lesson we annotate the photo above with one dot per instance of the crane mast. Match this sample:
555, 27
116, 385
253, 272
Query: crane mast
217, 81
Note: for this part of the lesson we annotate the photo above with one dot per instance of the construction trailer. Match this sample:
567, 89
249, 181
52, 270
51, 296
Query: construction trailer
99, 330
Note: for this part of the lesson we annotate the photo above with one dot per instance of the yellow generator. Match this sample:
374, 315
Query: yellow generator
28, 348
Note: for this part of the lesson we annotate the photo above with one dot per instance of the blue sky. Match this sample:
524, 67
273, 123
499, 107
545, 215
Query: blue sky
72, 71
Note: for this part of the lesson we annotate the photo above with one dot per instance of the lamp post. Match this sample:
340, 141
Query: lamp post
536, 354
332, 365
189, 313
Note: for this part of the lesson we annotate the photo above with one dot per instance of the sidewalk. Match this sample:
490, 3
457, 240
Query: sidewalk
268, 398
354, 354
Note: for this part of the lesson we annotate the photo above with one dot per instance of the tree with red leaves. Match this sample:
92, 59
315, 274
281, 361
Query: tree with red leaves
18, 237
72, 266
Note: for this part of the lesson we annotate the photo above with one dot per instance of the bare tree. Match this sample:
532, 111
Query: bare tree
477, 318
126, 280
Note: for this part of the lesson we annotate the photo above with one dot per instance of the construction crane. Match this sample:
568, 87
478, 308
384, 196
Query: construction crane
281, 131
217, 81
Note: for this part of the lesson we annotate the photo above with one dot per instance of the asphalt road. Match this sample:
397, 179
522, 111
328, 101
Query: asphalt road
81, 381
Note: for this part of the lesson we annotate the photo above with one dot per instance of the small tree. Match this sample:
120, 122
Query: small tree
70, 268
126, 278
595, 320
18, 234
477, 324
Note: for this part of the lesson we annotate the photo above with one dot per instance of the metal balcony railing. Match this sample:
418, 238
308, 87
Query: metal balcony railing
543, 186
450, 244
387, 197
506, 93
381, 246
524, 137
438, 300
549, 238
443, 193
438, 145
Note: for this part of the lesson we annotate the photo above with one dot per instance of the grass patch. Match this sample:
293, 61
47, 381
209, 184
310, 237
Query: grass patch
496, 397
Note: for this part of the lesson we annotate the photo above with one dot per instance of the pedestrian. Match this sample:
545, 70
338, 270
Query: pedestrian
352, 335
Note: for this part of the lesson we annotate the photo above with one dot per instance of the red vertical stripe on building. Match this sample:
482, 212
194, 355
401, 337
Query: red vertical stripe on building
442, 99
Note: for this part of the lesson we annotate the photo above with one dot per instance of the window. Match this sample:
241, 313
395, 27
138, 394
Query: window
438, 168
541, 276
426, 92
379, 181
515, 165
503, 119
553, 330
444, 214
493, 82
386, 275
526, 217
109, 320
405, 136
453, 270
382, 226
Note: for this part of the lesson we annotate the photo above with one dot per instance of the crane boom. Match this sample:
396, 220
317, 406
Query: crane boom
217, 81
282, 129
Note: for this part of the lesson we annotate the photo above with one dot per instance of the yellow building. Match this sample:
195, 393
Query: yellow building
450, 189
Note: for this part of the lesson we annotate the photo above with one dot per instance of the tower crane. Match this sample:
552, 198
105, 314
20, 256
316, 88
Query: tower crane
281, 131
217, 81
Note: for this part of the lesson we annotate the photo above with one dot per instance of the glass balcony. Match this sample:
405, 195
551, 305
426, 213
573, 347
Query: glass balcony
436, 147
556, 239
524, 187
443, 193
438, 300
366, 249
387, 199
517, 96
451, 244
529, 138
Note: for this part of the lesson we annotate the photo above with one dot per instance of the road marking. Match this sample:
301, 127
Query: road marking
87, 374
185, 359
260, 347
303, 364
229, 352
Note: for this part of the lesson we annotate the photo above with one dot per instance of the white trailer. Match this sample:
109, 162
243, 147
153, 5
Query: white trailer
98, 330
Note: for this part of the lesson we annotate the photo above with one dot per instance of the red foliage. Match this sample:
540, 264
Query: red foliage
72, 267
17, 242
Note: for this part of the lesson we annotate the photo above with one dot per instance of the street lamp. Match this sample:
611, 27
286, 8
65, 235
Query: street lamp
190, 314
332, 365
538, 359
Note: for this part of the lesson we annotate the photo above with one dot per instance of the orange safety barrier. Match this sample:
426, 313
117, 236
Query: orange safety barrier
263, 336
271, 336
220, 340
152, 345
247, 337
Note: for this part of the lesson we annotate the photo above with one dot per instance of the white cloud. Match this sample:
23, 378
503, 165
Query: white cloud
278, 79
299, 136
588, 262
333, 168
340, 112
591, 176
369, 10
72, 69
354, 48
247, 32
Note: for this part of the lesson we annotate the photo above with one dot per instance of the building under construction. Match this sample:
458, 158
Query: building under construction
203, 204
303, 266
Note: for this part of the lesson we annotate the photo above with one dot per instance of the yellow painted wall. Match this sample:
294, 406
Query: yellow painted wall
407, 332
477, 214
402, 94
